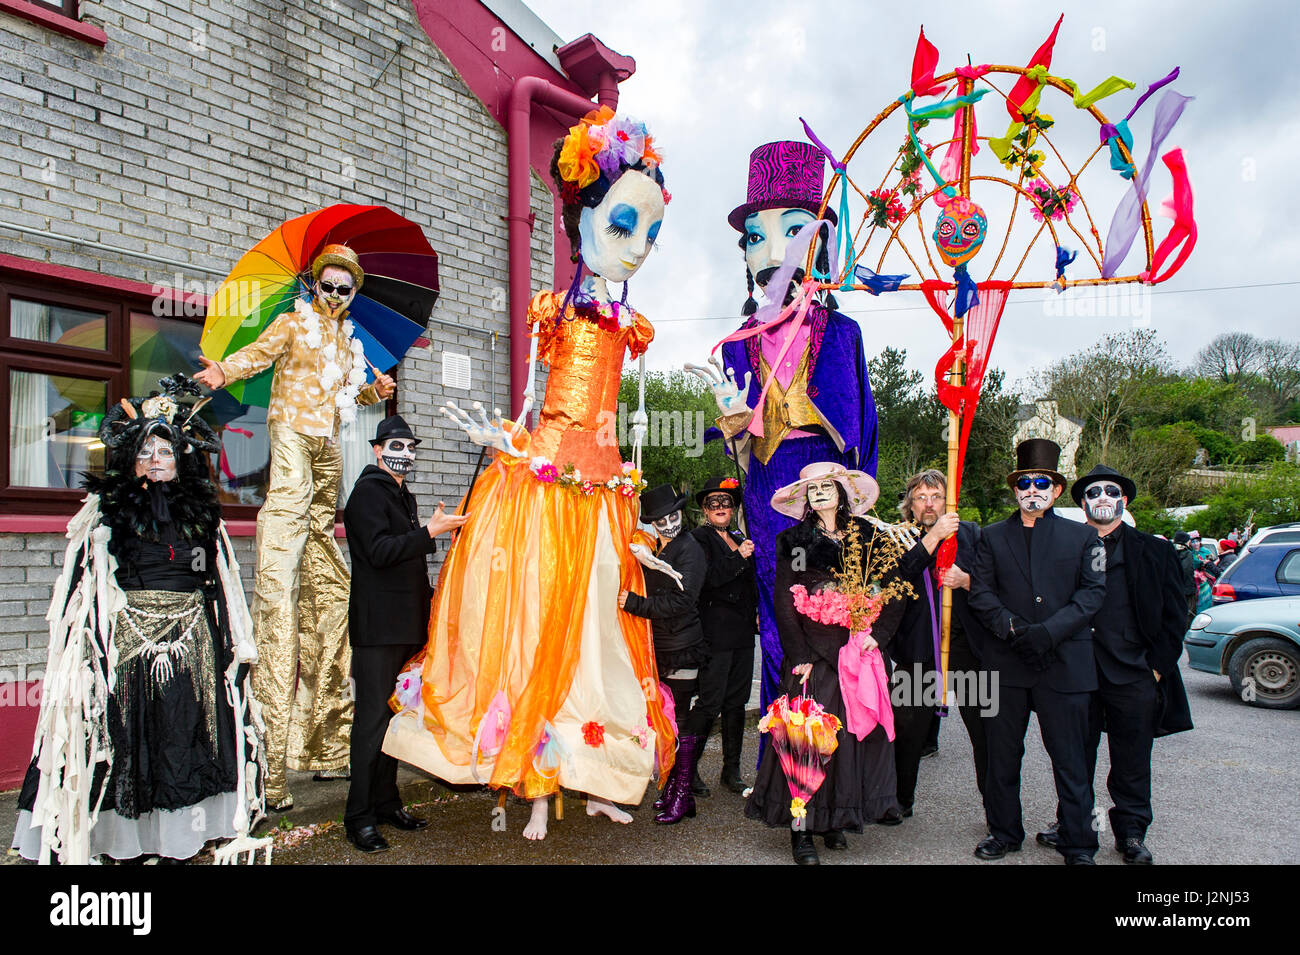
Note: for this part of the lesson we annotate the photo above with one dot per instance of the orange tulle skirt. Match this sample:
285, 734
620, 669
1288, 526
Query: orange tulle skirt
526, 607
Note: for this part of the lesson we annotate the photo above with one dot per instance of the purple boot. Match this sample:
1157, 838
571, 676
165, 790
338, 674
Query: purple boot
680, 802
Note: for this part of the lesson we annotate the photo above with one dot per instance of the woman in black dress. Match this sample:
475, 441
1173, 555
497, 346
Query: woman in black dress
860, 785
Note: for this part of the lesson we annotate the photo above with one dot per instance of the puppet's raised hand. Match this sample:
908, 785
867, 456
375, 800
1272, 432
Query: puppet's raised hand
489, 434
647, 559
722, 382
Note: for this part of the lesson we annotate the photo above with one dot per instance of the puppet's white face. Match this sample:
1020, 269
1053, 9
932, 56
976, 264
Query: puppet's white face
823, 494
619, 233
156, 459
669, 526
397, 455
334, 290
1033, 495
1103, 502
768, 234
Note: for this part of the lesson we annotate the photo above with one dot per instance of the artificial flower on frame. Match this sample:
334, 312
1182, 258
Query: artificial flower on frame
1050, 202
593, 733
885, 208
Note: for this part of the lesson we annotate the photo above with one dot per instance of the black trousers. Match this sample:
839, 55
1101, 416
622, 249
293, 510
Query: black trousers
374, 774
1064, 721
1128, 713
961, 659
911, 731
683, 692
725, 683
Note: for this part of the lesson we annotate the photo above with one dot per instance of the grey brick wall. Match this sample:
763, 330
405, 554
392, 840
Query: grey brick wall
203, 125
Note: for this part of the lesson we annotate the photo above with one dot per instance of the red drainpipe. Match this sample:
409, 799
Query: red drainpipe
527, 91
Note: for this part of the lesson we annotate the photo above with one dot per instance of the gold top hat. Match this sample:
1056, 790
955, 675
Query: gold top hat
341, 256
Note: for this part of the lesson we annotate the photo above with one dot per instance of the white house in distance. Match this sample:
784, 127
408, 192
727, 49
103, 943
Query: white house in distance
1042, 419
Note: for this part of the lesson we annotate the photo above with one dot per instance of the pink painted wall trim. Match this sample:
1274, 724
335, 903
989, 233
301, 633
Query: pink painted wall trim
20, 706
77, 29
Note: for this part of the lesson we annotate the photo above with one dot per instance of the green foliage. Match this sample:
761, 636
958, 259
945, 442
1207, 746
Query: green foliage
989, 452
1150, 517
1273, 497
1263, 450
680, 409
910, 421
1213, 405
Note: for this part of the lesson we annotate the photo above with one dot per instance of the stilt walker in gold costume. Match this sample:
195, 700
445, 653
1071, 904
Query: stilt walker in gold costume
300, 601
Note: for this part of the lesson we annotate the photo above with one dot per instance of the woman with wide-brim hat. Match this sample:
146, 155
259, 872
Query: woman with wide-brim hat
860, 785
728, 609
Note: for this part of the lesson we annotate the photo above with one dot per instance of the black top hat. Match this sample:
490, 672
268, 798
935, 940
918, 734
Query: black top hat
1037, 456
660, 501
1102, 473
728, 486
394, 426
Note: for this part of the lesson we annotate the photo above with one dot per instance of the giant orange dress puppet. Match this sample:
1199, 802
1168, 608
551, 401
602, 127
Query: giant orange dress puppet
533, 678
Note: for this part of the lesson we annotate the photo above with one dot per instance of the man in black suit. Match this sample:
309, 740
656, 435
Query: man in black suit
1137, 638
388, 619
914, 649
1037, 583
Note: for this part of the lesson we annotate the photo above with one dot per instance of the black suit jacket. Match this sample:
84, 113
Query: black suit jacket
729, 597
674, 611
1155, 593
914, 641
1062, 589
389, 600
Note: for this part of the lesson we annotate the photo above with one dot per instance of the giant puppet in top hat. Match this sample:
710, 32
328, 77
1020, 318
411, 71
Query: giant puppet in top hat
783, 175
1037, 456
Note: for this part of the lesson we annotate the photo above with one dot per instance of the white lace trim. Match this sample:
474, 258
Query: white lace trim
345, 397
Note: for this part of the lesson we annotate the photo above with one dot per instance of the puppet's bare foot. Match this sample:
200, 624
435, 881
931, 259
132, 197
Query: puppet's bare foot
536, 828
598, 807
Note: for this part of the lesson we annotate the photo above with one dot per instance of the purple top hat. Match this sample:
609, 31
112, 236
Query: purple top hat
783, 175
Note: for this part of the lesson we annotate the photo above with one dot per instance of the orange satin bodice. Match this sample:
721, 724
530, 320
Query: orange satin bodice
578, 422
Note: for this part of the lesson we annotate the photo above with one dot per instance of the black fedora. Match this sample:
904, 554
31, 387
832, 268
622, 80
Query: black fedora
660, 501
1037, 456
728, 486
1102, 473
394, 426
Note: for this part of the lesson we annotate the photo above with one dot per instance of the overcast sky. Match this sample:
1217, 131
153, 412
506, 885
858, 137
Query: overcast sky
716, 79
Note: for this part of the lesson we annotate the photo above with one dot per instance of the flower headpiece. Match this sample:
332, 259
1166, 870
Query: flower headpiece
604, 144
132, 420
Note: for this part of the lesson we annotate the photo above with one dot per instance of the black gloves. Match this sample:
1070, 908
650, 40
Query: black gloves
1032, 645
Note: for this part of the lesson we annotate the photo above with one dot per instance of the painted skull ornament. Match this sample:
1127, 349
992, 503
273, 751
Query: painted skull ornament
959, 230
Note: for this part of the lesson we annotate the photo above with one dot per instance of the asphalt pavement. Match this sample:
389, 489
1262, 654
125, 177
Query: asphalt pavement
1225, 792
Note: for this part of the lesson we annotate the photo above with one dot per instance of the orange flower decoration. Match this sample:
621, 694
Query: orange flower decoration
593, 733
728, 482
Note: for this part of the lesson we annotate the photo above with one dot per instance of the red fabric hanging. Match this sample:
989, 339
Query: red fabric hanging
1025, 86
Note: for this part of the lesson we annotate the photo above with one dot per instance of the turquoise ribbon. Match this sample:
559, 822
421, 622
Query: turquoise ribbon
1117, 160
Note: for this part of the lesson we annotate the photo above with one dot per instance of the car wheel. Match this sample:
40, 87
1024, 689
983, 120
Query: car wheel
1266, 672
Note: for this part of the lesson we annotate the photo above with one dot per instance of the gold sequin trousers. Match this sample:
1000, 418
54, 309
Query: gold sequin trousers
300, 611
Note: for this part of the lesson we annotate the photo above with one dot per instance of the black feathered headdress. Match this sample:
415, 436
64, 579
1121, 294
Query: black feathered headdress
129, 423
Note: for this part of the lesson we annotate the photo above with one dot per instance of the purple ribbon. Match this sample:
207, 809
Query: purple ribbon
835, 163
934, 621
1108, 130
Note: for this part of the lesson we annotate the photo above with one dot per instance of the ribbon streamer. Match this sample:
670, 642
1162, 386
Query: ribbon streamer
878, 283
1179, 208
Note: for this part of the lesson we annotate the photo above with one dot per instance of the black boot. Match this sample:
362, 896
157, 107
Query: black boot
802, 848
697, 784
733, 736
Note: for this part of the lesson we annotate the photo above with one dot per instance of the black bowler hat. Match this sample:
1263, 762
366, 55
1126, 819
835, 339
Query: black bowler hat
1102, 473
394, 426
728, 486
660, 501
1037, 456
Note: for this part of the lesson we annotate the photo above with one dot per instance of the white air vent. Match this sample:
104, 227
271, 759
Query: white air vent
455, 371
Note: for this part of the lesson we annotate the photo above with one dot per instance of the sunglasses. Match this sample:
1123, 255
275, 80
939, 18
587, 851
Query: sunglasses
718, 503
1042, 483
1097, 490
329, 288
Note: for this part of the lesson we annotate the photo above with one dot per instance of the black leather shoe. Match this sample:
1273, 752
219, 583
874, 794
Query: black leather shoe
1134, 851
1050, 837
1079, 860
367, 839
835, 839
698, 788
907, 811
402, 820
892, 817
801, 846
930, 749
732, 780
993, 848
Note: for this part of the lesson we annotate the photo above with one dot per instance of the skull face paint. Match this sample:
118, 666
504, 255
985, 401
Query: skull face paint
156, 459
334, 290
959, 231
824, 494
1103, 502
668, 526
1034, 499
398, 455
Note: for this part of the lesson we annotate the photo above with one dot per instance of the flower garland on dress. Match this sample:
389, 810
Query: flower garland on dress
345, 398
628, 483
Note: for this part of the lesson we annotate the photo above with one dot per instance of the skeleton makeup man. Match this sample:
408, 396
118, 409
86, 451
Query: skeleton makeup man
334, 290
1035, 493
1103, 501
156, 459
1036, 482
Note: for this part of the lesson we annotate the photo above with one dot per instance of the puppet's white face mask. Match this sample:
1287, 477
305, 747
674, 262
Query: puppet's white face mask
334, 290
619, 233
1035, 493
823, 495
668, 526
1104, 502
156, 459
398, 455
768, 234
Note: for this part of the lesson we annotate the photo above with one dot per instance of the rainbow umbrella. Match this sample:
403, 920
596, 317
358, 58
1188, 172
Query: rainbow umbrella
389, 312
